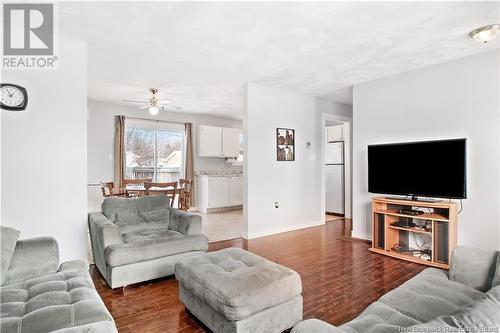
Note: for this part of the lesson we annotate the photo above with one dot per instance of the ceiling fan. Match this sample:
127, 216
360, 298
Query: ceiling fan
154, 104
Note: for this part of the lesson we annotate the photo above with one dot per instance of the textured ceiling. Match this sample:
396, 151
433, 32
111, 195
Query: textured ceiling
200, 54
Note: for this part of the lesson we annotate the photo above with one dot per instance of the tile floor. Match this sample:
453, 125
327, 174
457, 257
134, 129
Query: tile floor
222, 226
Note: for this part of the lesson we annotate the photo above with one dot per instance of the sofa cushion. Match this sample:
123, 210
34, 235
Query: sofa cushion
152, 244
56, 301
134, 214
484, 313
378, 317
430, 294
8, 239
237, 283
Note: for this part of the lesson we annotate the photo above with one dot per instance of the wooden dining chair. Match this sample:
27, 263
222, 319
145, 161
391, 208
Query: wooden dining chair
186, 186
169, 189
137, 182
108, 190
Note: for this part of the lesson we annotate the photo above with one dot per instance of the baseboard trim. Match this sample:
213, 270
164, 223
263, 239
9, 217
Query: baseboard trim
360, 235
281, 230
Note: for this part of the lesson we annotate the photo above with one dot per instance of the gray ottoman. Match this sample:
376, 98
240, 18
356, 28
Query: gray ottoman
233, 290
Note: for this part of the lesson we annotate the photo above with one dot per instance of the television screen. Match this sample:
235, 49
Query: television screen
430, 169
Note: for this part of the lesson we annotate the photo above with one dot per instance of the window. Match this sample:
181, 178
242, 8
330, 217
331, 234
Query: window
154, 150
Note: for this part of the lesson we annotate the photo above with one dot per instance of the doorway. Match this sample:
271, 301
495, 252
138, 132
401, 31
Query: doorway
337, 173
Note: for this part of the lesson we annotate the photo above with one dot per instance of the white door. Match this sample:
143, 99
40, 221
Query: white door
230, 142
236, 191
210, 141
218, 192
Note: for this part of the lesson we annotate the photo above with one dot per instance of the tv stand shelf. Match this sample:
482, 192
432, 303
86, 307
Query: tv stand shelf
441, 239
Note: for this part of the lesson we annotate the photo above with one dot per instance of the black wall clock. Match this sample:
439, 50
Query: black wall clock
13, 97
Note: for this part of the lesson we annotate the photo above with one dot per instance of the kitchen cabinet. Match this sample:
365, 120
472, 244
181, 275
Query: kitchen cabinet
218, 142
210, 141
230, 142
236, 191
219, 192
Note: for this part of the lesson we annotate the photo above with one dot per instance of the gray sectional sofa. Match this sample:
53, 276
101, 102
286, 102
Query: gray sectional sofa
140, 239
465, 299
39, 295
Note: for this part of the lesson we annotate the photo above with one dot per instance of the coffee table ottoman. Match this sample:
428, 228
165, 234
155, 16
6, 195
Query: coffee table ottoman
233, 290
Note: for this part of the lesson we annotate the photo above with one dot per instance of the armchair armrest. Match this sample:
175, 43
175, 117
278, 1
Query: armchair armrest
473, 267
103, 233
185, 223
33, 257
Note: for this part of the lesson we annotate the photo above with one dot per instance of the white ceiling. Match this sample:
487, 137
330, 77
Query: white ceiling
200, 54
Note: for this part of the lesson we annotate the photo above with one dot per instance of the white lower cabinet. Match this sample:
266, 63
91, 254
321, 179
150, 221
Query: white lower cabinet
218, 195
236, 191
219, 192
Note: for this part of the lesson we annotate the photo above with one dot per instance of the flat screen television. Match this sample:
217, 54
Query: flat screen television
430, 169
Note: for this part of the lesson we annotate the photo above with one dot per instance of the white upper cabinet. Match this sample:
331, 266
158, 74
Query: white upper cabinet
210, 141
218, 141
335, 133
230, 142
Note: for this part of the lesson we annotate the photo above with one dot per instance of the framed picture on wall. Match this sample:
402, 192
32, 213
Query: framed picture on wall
285, 144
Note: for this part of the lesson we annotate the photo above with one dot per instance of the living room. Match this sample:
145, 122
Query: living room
418, 84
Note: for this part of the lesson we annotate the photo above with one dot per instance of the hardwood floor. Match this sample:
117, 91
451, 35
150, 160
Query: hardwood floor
340, 279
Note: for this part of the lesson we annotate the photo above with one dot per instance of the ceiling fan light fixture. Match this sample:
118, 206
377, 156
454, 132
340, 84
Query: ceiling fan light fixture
153, 110
485, 34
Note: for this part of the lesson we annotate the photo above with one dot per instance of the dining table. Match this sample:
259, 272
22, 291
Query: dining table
170, 191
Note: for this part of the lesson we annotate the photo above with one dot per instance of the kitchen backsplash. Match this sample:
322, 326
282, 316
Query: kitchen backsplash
219, 172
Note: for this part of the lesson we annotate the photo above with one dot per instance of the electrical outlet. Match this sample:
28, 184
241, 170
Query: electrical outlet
276, 204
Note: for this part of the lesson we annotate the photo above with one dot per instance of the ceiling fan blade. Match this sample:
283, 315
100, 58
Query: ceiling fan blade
161, 101
133, 101
144, 107
172, 106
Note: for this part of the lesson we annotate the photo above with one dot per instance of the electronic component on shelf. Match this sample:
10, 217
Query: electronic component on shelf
412, 212
403, 224
425, 257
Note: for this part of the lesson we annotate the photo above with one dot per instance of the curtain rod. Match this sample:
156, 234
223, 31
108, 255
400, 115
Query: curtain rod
158, 120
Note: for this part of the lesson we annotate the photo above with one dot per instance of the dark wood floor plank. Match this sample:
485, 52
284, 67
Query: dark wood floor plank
340, 279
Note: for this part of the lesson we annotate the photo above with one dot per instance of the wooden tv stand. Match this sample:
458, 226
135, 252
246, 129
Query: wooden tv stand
441, 216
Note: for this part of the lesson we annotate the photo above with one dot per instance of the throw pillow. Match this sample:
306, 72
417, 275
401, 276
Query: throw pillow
8, 239
483, 261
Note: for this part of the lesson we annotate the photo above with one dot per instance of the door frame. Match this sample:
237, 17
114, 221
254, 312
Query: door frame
347, 162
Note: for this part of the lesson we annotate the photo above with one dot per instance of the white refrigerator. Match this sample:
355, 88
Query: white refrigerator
334, 177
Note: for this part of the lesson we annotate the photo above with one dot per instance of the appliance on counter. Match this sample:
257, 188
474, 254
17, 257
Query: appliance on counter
334, 177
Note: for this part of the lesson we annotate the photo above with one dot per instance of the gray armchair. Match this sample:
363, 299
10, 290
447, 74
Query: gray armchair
139, 239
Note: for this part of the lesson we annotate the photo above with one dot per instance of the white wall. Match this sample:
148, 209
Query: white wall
297, 186
44, 160
451, 100
101, 136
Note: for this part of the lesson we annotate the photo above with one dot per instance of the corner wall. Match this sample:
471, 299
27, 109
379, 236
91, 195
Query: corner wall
297, 185
44, 160
451, 100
